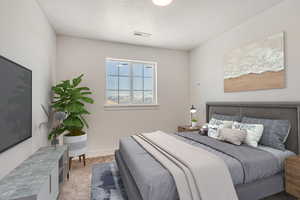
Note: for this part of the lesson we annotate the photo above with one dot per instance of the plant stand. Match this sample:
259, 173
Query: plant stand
77, 147
81, 157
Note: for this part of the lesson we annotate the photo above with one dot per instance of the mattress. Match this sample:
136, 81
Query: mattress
155, 182
252, 191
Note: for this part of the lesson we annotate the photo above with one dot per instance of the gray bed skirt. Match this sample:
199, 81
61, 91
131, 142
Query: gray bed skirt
251, 191
130, 187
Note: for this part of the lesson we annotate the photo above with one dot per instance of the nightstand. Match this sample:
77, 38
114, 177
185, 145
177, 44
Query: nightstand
188, 128
292, 175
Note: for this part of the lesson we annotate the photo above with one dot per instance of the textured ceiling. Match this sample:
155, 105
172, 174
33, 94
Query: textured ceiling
182, 25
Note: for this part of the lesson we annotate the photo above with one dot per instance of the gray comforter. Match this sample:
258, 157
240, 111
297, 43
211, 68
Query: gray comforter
246, 164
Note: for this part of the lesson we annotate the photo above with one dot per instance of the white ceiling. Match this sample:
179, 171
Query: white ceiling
182, 25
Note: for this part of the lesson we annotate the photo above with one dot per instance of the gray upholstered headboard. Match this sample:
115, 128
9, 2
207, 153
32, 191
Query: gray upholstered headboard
268, 110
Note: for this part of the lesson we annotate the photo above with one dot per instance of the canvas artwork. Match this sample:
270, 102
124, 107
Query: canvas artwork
256, 66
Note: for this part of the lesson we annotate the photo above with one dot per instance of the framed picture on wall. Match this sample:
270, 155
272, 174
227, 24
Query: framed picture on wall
257, 66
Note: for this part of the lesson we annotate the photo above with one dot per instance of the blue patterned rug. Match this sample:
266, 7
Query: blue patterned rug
106, 182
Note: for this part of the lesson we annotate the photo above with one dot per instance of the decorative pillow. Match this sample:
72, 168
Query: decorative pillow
254, 132
234, 136
234, 118
275, 131
215, 124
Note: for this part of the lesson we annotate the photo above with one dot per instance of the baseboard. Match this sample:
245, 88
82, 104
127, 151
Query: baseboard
100, 152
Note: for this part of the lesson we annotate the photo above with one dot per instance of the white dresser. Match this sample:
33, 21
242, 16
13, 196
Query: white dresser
37, 178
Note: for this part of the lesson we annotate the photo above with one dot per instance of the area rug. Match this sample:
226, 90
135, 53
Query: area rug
106, 182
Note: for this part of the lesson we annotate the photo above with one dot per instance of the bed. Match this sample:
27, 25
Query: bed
145, 179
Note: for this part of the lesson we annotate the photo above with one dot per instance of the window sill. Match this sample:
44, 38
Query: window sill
131, 107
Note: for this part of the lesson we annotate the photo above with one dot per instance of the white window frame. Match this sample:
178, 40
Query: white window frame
133, 106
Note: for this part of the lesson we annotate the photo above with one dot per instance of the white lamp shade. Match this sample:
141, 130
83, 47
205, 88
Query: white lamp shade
162, 2
193, 111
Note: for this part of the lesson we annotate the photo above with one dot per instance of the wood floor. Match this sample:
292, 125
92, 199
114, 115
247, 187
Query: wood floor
78, 186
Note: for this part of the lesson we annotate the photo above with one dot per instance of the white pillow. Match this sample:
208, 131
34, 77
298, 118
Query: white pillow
233, 136
215, 124
254, 132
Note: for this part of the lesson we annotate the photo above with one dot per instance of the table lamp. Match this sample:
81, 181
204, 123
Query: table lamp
192, 111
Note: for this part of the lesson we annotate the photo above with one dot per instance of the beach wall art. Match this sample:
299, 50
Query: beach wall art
256, 66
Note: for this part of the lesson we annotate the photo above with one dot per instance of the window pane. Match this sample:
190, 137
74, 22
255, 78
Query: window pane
137, 69
112, 67
124, 97
124, 83
112, 97
148, 70
137, 83
124, 69
112, 83
148, 84
129, 82
137, 97
148, 97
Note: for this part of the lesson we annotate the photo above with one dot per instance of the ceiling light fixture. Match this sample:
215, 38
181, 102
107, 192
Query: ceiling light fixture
141, 34
162, 2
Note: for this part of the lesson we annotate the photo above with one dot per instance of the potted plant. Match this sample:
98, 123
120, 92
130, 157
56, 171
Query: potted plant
194, 122
70, 99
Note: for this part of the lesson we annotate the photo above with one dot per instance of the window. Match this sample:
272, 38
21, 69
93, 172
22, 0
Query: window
130, 82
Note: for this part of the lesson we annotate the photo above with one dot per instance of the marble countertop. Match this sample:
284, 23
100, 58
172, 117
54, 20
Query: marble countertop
28, 178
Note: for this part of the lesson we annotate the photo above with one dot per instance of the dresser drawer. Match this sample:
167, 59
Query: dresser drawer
292, 189
54, 183
50, 188
44, 193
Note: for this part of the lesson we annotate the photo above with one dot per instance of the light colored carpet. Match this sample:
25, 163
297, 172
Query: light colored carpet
78, 186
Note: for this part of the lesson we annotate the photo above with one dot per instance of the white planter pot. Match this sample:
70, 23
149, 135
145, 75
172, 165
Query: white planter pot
194, 124
77, 144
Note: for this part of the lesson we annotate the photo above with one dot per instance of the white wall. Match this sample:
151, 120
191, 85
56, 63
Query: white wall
27, 38
76, 56
207, 61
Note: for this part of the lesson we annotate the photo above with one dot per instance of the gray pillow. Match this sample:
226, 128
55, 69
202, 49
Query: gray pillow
234, 136
275, 131
234, 118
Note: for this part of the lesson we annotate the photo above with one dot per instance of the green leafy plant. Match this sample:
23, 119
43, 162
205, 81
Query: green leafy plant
194, 120
70, 99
